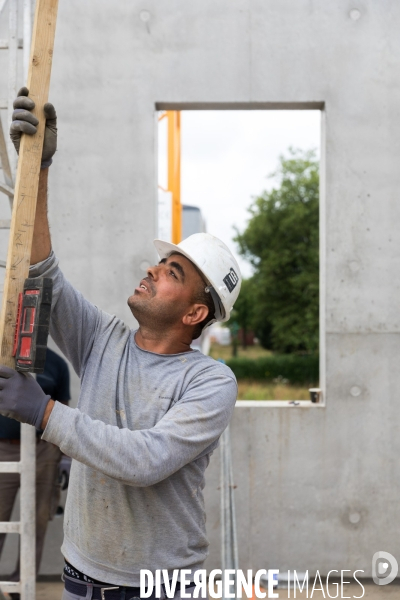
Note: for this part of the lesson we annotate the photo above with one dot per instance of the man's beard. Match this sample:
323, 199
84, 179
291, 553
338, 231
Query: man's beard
155, 314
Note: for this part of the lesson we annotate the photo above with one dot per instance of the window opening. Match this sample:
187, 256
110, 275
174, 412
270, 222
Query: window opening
250, 177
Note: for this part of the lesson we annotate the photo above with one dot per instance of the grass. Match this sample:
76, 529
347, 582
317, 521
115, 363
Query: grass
257, 390
225, 352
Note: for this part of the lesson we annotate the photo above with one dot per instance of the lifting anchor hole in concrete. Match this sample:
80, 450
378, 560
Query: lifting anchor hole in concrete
354, 14
145, 16
355, 391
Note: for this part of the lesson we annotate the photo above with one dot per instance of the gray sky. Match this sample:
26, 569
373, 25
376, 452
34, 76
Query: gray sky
227, 157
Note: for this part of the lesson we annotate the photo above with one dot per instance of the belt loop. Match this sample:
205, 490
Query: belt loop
123, 594
89, 591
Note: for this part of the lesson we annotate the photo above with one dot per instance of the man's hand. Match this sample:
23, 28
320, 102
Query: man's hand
21, 397
23, 121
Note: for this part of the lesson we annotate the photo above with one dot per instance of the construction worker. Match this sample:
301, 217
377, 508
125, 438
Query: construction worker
150, 412
55, 382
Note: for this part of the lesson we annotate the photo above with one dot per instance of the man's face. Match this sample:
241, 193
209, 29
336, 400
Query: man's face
164, 296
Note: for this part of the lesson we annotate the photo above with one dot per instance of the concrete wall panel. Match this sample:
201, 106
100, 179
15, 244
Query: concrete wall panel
317, 488
301, 473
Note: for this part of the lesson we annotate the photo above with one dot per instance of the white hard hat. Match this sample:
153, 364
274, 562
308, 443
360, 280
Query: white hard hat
217, 264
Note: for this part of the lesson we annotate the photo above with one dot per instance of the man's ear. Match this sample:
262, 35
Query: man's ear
196, 314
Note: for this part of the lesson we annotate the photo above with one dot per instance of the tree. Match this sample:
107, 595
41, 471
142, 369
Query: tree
242, 313
281, 241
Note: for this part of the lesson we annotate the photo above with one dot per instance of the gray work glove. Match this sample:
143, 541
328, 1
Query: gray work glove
21, 397
23, 121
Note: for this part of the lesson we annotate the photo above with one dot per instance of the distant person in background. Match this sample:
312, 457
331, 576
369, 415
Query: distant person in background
55, 382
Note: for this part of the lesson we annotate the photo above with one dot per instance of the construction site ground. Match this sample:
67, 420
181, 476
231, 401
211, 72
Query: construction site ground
53, 591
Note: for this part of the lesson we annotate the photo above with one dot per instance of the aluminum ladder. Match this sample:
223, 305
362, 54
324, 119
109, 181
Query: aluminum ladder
27, 466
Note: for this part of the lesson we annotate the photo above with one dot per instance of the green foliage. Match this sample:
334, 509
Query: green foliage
296, 368
242, 314
281, 241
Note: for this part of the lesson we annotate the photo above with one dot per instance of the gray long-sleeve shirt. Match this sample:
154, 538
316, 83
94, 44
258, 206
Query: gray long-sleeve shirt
142, 436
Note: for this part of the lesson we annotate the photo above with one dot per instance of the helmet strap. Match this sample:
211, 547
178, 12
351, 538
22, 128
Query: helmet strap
219, 309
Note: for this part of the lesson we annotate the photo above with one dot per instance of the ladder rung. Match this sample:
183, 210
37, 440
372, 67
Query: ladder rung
6, 190
4, 44
10, 527
10, 467
5, 223
10, 587
3, 103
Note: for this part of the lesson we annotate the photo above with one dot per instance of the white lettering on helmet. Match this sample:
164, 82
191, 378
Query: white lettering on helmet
231, 280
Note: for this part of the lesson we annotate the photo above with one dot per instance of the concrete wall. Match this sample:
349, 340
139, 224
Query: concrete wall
317, 488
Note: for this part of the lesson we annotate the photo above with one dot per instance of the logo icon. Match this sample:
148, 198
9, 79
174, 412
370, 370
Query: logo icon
384, 568
231, 280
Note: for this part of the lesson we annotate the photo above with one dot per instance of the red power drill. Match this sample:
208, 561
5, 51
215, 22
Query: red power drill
32, 325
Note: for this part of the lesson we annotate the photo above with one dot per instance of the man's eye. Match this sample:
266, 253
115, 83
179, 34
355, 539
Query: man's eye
173, 274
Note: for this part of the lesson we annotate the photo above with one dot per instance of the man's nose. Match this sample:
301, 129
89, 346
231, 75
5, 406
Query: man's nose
153, 272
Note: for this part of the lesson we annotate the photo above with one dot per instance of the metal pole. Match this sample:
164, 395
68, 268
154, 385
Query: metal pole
4, 145
27, 36
5, 163
229, 548
2, 4
174, 172
28, 433
12, 73
28, 512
